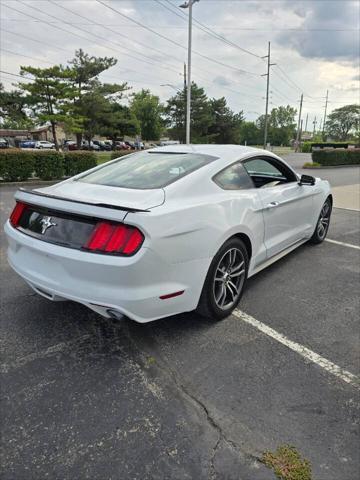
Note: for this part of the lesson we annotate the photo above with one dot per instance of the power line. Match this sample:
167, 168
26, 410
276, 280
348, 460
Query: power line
214, 34
208, 30
80, 36
31, 39
115, 32
81, 16
173, 41
16, 75
222, 27
135, 81
25, 56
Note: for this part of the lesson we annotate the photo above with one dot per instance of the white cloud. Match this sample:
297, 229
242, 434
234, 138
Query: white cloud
315, 60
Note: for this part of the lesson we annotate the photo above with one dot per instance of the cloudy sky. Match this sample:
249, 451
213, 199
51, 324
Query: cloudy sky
314, 43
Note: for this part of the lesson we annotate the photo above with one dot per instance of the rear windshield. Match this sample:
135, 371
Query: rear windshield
147, 170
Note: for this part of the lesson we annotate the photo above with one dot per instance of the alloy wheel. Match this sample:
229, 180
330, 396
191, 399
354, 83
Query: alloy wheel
229, 278
324, 219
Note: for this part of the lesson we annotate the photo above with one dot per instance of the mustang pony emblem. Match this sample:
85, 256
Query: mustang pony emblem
46, 223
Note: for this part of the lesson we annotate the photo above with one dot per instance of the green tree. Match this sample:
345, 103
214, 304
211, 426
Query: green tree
13, 109
250, 133
48, 94
281, 125
344, 121
119, 121
201, 117
83, 74
283, 117
99, 107
148, 110
225, 126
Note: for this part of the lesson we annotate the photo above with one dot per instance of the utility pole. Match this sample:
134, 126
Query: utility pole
189, 4
314, 129
184, 76
299, 122
267, 94
320, 125
306, 122
301, 130
326, 105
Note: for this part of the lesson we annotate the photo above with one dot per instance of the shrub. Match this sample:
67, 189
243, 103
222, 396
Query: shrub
311, 165
76, 162
48, 164
16, 164
120, 153
306, 147
337, 157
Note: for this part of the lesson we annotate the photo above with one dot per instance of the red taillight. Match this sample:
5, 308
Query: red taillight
110, 238
16, 213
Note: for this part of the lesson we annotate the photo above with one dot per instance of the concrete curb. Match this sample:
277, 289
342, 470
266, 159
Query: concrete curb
331, 166
30, 182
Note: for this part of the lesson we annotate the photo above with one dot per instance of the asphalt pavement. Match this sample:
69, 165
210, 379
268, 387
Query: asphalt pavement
186, 397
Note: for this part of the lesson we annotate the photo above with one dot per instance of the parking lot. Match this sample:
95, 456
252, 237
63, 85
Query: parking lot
185, 397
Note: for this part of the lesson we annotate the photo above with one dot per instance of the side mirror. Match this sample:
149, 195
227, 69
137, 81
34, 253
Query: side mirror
306, 180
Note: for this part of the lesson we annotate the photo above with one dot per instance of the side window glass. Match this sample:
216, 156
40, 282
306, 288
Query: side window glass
234, 177
268, 171
259, 166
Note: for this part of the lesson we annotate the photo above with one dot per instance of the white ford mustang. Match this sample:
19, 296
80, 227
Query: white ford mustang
165, 231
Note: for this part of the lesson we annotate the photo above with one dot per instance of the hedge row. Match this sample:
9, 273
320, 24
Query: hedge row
120, 153
17, 165
336, 157
307, 147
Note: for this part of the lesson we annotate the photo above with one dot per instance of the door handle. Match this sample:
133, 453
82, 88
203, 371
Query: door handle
273, 204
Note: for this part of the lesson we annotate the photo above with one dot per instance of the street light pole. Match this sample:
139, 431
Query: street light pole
189, 4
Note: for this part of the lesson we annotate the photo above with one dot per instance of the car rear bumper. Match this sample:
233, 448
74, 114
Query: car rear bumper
131, 286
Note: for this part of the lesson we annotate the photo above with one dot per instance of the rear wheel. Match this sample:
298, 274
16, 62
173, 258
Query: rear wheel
323, 223
225, 281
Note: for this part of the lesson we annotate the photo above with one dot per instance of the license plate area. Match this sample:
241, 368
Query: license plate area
56, 227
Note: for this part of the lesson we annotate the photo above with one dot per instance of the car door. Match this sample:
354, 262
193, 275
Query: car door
287, 206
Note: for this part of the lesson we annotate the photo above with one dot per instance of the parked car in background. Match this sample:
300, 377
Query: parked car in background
139, 145
41, 144
104, 147
121, 146
166, 231
27, 144
85, 145
131, 145
4, 143
167, 143
70, 145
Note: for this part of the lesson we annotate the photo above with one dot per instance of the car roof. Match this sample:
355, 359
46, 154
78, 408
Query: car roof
225, 156
225, 152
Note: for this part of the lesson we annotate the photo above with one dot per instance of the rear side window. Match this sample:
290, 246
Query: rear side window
147, 170
268, 167
234, 177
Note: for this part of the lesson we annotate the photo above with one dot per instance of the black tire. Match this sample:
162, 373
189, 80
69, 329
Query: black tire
208, 305
322, 225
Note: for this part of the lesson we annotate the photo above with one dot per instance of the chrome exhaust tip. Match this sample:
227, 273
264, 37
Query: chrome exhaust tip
114, 314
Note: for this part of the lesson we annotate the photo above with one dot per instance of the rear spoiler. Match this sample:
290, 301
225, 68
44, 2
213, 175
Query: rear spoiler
102, 205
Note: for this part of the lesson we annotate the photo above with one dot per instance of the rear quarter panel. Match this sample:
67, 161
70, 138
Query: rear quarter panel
197, 228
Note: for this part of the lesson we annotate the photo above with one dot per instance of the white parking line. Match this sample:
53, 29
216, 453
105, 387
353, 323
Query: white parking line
300, 349
349, 245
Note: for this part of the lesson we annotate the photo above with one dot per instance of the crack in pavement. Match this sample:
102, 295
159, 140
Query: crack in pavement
199, 404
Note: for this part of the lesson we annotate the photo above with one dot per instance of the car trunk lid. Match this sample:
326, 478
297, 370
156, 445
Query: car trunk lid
111, 203
68, 214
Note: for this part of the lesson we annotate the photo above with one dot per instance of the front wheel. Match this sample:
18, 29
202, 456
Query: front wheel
225, 281
323, 223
